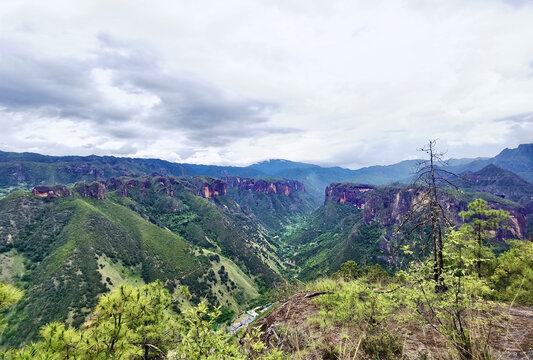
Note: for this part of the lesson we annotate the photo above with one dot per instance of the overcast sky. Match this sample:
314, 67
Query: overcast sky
349, 83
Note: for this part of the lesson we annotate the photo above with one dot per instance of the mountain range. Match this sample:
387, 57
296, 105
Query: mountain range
29, 169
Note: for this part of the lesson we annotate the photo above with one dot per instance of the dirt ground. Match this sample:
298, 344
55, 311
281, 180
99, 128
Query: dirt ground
292, 327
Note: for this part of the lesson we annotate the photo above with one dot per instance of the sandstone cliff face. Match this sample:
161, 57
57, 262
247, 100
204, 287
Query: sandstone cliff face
388, 205
216, 188
286, 187
352, 194
95, 190
121, 186
207, 188
51, 192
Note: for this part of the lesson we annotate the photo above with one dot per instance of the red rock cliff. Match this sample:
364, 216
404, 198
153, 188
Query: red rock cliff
51, 192
94, 190
286, 187
388, 205
214, 189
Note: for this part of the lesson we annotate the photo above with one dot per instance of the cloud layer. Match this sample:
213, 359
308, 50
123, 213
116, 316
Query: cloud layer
350, 83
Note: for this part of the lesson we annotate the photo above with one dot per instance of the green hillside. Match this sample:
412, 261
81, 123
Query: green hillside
62, 243
218, 224
68, 249
332, 235
366, 231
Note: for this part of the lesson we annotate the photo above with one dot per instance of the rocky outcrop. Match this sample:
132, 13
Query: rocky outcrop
389, 205
286, 187
95, 190
121, 186
208, 188
352, 194
214, 189
51, 192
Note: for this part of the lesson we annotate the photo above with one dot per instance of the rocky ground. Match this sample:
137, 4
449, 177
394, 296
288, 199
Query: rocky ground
293, 326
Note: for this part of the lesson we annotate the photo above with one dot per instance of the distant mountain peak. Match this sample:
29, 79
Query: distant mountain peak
522, 149
271, 161
492, 169
279, 164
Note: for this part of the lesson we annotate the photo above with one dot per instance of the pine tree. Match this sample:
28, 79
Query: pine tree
482, 218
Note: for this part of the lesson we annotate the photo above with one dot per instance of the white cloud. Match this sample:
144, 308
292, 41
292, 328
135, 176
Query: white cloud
362, 82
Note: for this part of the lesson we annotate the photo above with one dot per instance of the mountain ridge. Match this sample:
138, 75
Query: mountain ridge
25, 170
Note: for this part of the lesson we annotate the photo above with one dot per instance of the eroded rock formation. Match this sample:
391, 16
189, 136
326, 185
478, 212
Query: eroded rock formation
286, 187
215, 188
51, 192
95, 190
388, 205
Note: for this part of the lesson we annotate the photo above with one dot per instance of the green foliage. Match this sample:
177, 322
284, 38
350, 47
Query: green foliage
513, 274
381, 344
481, 219
348, 271
218, 224
359, 304
63, 240
376, 274
200, 341
454, 304
138, 323
354, 302
274, 211
9, 295
322, 243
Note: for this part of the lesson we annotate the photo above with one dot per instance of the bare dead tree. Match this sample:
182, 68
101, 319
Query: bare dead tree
427, 210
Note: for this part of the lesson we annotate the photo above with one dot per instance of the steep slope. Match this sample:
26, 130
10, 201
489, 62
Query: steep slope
64, 242
321, 243
199, 210
67, 246
358, 222
275, 203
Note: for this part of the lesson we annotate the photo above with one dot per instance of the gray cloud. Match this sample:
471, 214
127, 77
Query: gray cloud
67, 88
350, 83
517, 3
517, 118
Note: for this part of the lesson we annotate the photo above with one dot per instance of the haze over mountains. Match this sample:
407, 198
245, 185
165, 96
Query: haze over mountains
31, 169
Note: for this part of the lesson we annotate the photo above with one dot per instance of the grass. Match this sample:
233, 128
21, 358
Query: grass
167, 246
244, 283
117, 273
239, 277
11, 266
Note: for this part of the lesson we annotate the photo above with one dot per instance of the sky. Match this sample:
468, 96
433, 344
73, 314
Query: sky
349, 83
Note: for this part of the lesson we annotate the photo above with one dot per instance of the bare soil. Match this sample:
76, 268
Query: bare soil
290, 327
